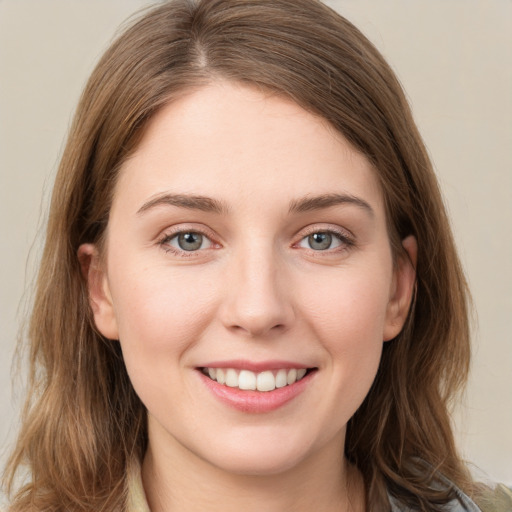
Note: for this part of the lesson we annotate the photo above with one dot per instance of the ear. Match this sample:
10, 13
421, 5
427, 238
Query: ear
402, 289
99, 291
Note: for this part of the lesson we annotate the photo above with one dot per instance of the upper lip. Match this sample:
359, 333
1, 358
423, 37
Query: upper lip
255, 366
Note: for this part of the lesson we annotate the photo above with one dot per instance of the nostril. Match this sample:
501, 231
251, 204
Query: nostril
258, 327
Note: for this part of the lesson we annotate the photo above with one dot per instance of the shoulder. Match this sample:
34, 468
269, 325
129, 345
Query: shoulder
461, 503
494, 499
486, 499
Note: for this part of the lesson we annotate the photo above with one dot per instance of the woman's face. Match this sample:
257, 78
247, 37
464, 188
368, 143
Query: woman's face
247, 242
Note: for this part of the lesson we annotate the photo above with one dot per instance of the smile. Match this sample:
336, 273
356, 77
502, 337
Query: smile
251, 381
262, 389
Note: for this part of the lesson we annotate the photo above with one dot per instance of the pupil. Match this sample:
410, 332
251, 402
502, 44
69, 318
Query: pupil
320, 241
190, 241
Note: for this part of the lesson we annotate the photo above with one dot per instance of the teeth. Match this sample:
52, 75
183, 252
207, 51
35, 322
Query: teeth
282, 378
231, 378
292, 376
247, 380
220, 376
265, 381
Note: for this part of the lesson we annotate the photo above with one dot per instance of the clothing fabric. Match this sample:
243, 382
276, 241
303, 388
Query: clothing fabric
498, 499
136, 497
462, 503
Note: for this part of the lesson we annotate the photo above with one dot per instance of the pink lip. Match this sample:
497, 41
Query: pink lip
242, 364
256, 401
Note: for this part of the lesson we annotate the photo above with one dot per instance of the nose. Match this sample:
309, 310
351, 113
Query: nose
258, 300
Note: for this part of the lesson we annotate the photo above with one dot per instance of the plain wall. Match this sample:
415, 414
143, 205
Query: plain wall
454, 59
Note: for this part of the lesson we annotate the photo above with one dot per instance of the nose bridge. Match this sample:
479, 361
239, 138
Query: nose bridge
258, 301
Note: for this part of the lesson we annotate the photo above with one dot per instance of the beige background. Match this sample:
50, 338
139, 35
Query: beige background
454, 58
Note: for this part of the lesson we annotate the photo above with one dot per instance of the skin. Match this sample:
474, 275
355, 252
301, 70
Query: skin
256, 290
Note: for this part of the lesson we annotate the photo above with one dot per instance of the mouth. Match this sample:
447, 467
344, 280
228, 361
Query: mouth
264, 381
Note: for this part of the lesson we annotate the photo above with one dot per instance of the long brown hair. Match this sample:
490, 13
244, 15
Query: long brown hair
83, 422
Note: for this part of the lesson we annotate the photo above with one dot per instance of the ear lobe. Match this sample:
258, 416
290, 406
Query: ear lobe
99, 291
404, 283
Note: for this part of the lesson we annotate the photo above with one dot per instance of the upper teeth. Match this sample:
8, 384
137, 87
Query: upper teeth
263, 381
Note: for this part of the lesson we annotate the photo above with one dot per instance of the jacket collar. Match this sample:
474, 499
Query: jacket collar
135, 496
137, 502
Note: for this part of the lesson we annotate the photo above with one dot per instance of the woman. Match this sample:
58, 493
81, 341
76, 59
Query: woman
193, 350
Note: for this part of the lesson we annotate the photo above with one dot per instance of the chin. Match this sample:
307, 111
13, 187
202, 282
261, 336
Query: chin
258, 455
250, 463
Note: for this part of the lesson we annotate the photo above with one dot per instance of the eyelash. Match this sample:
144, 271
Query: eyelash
346, 241
163, 242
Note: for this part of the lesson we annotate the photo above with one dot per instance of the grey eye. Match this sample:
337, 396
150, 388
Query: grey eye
189, 241
320, 241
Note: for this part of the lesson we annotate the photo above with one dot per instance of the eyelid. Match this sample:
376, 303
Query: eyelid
344, 235
173, 231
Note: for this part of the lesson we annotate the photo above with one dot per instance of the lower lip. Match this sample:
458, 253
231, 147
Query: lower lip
256, 401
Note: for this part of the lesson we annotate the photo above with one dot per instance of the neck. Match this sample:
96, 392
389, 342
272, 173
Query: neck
179, 482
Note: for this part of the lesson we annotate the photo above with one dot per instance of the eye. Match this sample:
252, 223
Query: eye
188, 241
323, 241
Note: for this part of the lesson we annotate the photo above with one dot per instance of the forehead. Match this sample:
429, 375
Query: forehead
238, 143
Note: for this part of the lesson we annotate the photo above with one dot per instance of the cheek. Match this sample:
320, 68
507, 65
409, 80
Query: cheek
160, 312
348, 305
347, 314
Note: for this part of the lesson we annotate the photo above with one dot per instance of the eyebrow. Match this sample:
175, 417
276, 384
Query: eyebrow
208, 204
191, 202
311, 203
